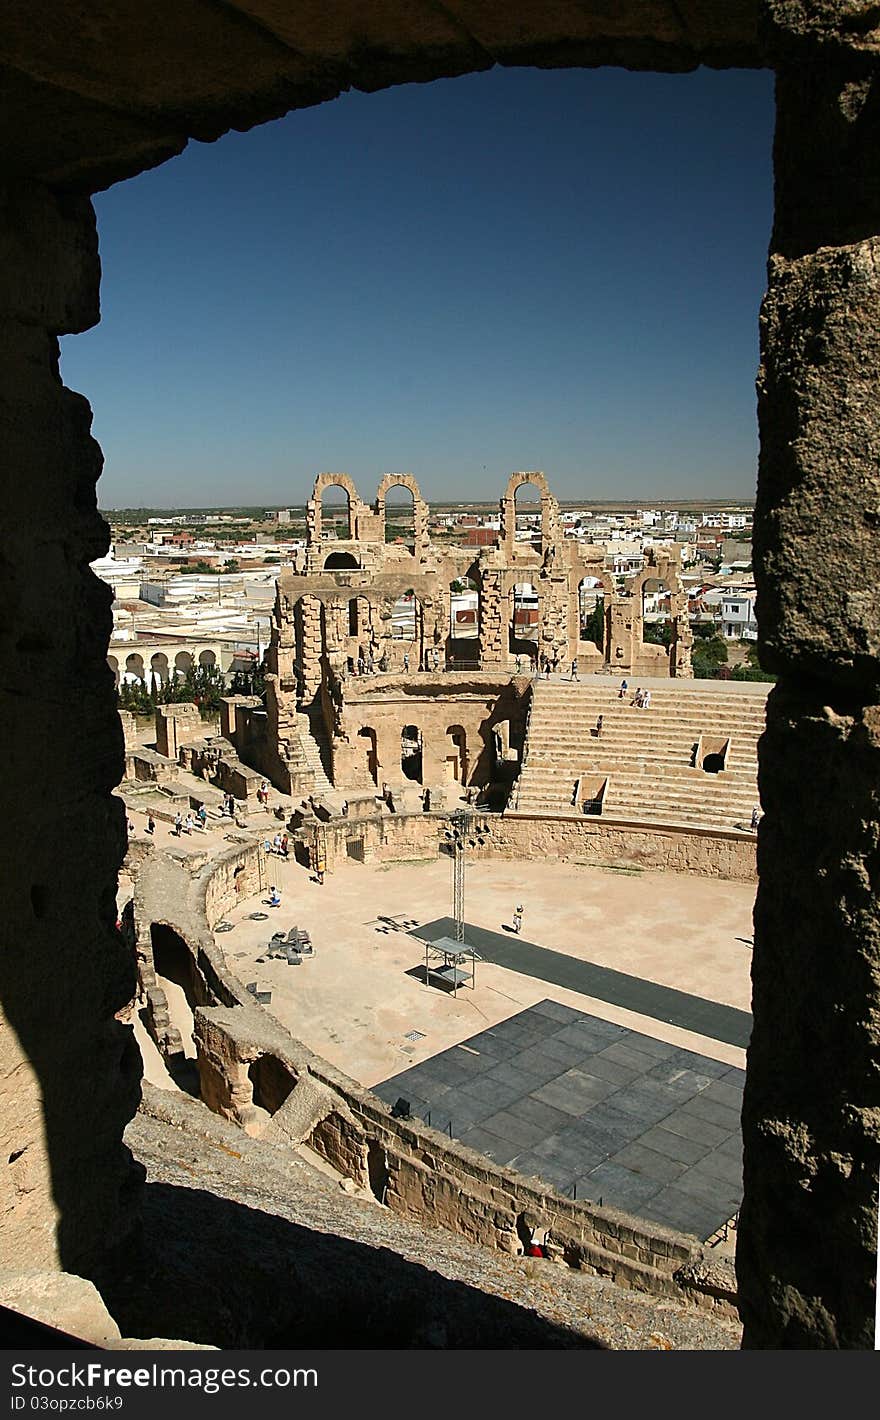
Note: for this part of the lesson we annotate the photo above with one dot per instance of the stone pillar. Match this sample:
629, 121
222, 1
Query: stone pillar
69, 1070
312, 647
806, 1257
493, 631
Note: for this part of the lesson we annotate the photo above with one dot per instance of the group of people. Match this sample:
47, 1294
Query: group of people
281, 846
263, 794
641, 699
186, 825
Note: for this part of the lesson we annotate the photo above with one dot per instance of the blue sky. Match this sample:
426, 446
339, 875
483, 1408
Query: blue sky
521, 269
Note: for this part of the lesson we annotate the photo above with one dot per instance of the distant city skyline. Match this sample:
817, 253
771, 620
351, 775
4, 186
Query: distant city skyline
555, 270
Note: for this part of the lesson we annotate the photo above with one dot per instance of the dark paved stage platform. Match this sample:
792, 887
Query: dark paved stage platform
589, 1106
603, 983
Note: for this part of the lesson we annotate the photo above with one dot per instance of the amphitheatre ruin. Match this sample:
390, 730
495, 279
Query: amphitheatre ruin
182, 1130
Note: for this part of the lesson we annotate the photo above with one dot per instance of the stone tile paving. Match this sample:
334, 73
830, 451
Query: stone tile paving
593, 1109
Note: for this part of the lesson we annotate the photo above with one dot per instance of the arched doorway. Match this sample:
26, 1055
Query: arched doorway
368, 736
456, 754
400, 516
134, 666
524, 626
411, 753
207, 658
527, 515
463, 643
592, 612
159, 667
341, 562
335, 512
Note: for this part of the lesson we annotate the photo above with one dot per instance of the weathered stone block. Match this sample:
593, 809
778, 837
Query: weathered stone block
816, 542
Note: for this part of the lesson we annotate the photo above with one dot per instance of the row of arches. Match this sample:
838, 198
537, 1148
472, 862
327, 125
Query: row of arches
160, 669
452, 752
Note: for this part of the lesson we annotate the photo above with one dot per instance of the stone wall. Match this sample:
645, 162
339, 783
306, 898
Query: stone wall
69, 1070
808, 1236
424, 1175
389, 838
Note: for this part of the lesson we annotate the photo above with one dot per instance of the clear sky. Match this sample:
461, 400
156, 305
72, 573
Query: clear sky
515, 270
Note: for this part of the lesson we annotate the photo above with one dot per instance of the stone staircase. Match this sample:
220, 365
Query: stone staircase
316, 751
645, 757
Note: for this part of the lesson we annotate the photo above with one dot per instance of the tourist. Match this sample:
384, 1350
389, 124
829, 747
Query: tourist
599, 727
276, 844
263, 794
285, 847
406, 662
202, 816
574, 669
188, 824
623, 689
646, 700
274, 896
637, 698
756, 817
519, 665
151, 824
517, 920
178, 824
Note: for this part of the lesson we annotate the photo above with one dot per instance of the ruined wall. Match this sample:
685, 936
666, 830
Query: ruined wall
390, 838
807, 1241
69, 1071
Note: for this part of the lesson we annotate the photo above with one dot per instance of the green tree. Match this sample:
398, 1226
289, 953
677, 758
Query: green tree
594, 626
707, 656
658, 633
232, 564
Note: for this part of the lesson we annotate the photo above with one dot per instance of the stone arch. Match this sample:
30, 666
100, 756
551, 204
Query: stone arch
114, 666
587, 612
314, 519
207, 658
550, 528
134, 665
341, 562
816, 633
159, 667
419, 507
183, 662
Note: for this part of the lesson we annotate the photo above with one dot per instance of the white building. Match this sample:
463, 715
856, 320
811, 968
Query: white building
738, 619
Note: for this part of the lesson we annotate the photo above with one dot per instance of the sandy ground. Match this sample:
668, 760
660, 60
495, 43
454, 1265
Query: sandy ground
355, 1001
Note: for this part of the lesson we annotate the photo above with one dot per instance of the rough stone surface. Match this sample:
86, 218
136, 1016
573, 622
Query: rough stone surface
817, 525
61, 1300
812, 1096
272, 1243
69, 1071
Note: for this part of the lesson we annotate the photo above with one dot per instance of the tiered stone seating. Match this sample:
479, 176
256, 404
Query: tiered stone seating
646, 756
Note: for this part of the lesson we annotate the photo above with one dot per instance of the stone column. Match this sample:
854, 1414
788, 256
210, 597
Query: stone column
312, 647
806, 1258
492, 630
69, 1070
